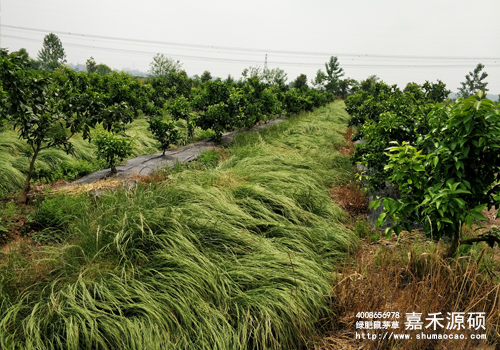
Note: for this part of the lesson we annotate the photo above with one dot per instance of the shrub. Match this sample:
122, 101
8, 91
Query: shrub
294, 101
112, 148
220, 107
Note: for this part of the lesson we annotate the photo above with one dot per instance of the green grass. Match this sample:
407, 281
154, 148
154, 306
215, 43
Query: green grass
225, 254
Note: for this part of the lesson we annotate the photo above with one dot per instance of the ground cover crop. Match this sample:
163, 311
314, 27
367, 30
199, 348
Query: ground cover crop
236, 254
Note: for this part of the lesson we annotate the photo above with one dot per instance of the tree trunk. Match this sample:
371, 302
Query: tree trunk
454, 245
26, 189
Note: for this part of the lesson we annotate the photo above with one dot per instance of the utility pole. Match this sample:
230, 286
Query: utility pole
265, 64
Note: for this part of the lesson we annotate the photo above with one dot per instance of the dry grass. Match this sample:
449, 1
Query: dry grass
100, 185
403, 275
348, 149
350, 198
15, 238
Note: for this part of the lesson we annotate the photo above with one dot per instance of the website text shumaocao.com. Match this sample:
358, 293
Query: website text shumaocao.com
387, 326
404, 336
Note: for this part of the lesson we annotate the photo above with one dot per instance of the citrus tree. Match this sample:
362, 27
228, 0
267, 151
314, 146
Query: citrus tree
451, 174
383, 114
219, 105
164, 132
260, 102
48, 107
112, 148
180, 108
37, 109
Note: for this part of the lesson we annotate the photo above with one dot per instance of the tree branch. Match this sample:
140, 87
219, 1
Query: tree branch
54, 144
489, 239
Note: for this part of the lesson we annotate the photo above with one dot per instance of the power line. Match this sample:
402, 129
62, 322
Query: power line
235, 60
240, 49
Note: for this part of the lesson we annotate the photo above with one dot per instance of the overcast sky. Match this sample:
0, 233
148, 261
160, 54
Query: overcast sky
399, 41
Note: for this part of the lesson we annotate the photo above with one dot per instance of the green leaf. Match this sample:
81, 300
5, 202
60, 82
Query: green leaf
468, 220
397, 230
388, 232
465, 151
438, 203
478, 216
480, 207
407, 227
392, 206
381, 219
460, 202
375, 204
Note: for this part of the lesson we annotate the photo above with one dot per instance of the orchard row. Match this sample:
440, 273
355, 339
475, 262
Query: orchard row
442, 156
48, 107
